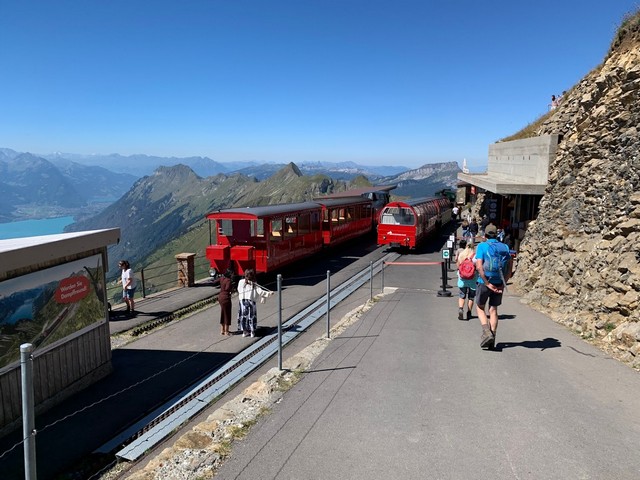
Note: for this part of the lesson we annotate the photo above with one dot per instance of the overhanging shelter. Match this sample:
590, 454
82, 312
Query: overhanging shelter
515, 181
53, 295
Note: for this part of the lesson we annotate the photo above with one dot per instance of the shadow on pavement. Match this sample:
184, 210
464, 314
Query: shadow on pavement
541, 344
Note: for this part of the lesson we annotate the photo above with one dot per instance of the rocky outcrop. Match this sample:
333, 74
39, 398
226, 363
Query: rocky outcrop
579, 259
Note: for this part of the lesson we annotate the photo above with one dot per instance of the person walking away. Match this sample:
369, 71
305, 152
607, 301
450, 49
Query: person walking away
466, 235
473, 228
128, 281
493, 263
224, 299
248, 293
467, 278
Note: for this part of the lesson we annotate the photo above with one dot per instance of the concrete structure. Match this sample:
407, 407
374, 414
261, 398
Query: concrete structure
519, 167
52, 294
516, 178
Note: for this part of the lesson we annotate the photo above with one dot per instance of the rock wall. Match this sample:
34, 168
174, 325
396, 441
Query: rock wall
579, 259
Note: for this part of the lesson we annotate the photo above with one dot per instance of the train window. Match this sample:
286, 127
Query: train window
407, 217
315, 221
304, 224
291, 226
276, 229
225, 227
257, 228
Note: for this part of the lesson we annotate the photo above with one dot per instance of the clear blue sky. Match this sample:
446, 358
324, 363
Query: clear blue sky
394, 82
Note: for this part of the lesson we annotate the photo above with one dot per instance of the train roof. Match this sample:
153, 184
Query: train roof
412, 202
339, 202
283, 209
266, 210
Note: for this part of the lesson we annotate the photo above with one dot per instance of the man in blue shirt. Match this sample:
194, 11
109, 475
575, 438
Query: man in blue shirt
490, 284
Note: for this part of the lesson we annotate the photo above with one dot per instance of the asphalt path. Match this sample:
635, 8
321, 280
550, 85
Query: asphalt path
159, 365
407, 393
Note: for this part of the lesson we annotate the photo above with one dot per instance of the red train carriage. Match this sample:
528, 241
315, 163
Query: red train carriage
379, 196
345, 218
270, 237
408, 223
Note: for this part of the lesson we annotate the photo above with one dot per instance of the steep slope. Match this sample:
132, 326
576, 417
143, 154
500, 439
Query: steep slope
579, 259
166, 205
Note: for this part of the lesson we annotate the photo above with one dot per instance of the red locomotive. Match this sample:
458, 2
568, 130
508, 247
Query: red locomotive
269, 237
407, 223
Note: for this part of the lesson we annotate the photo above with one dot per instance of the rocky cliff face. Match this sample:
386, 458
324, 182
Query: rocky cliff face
579, 260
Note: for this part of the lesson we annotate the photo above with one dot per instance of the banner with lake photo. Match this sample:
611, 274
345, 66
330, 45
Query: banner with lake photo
46, 306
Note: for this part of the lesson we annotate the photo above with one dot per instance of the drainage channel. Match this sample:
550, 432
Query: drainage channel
157, 425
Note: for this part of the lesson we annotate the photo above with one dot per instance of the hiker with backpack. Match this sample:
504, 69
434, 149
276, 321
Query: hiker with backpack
467, 278
493, 263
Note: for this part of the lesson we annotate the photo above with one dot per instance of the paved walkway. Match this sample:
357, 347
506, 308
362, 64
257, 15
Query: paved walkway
407, 393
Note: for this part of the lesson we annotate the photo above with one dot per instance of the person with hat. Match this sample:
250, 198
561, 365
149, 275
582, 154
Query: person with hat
493, 264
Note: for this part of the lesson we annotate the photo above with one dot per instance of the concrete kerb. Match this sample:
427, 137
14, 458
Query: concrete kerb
203, 449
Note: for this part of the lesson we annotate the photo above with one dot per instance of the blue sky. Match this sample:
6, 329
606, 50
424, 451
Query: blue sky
397, 82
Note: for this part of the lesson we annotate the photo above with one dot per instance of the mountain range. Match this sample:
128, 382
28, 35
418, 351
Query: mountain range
34, 187
159, 208
52, 185
171, 202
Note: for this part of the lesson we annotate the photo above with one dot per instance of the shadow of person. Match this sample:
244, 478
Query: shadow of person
541, 344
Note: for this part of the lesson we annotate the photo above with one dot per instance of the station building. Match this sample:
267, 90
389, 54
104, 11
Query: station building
514, 183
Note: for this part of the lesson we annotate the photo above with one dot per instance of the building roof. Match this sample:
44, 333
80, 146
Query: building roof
501, 184
17, 253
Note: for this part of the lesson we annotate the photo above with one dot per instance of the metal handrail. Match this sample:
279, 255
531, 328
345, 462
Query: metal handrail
157, 283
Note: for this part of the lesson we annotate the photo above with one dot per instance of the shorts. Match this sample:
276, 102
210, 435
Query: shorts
128, 293
484, 294
467, 292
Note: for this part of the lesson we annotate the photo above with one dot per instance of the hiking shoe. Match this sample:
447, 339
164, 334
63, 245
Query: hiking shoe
460, 317
487, 340
468, 314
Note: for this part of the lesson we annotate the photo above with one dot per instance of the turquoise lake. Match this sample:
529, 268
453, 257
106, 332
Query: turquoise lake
32, 228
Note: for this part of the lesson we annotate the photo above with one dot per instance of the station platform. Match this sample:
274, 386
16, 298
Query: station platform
405, 392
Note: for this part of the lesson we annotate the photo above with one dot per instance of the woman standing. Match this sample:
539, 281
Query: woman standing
224, 299
128, 281
248, 293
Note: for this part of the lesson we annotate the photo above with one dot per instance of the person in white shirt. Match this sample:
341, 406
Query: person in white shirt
248, 293
129, 284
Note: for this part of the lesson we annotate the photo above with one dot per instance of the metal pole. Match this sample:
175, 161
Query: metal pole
28, 415
370, 280
144, 292
382, 291
328, 304
279, 322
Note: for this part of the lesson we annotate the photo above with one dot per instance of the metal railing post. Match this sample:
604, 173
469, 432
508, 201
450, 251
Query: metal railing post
28, 415
370, 280
144, 290
279, 322
328, 304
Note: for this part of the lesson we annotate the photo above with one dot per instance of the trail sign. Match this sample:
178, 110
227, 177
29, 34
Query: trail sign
445, 253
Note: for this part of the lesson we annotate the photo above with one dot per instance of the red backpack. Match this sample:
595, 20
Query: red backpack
467, 269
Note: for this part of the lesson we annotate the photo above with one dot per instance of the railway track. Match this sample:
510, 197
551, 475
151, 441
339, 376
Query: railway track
133, 442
